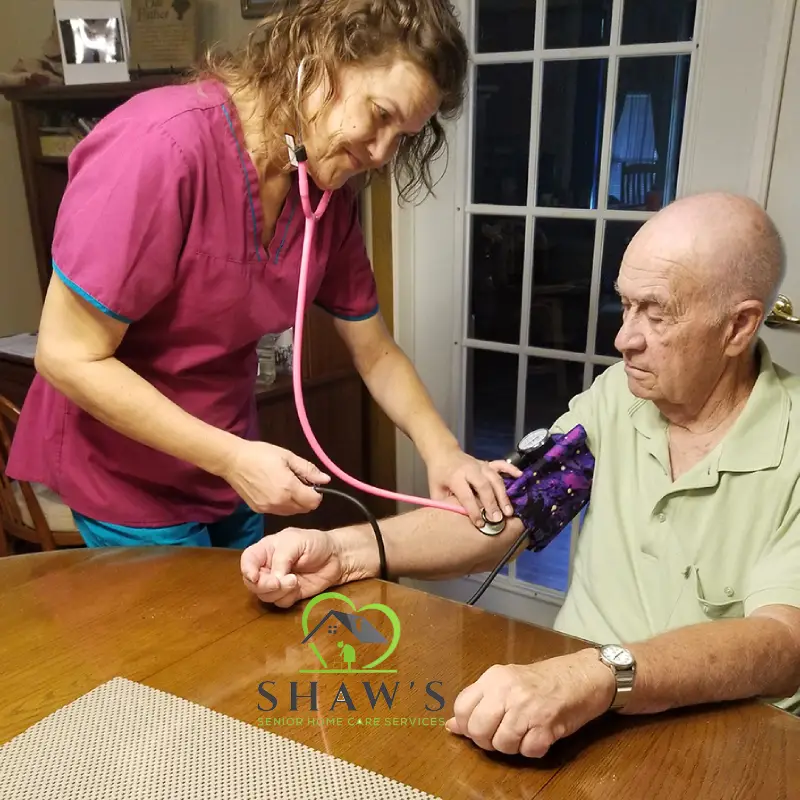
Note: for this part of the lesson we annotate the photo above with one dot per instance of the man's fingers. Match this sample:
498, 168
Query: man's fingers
536, 742
510, 732
484, 721
284, 561
254, 558
283, 592
462, 708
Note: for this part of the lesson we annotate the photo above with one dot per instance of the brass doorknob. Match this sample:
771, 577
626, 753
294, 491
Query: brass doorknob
782, 313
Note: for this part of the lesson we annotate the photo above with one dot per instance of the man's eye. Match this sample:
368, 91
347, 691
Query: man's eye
382, 112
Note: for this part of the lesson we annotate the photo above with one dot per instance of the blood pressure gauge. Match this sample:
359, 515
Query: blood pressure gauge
530, 447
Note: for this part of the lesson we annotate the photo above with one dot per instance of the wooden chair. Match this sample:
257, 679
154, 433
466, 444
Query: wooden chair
29, 512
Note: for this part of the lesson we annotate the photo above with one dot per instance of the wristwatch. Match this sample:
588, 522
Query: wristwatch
623, 665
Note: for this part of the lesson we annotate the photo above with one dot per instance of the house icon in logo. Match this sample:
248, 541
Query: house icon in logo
359, 626
339, 634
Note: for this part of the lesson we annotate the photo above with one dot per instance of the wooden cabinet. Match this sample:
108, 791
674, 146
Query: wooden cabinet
335, 397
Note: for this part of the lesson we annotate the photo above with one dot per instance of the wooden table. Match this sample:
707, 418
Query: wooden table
181, 621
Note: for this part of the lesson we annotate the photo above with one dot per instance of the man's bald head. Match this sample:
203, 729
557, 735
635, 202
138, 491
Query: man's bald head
726, 244
696, 282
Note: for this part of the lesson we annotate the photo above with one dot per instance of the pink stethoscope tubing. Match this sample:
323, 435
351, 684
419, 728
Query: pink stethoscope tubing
312, 217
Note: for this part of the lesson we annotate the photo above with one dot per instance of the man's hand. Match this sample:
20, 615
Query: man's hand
292, 565
453, 472
525, 708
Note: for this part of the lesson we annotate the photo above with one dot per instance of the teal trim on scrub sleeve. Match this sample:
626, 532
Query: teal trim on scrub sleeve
236, 531
86, 296
358, 318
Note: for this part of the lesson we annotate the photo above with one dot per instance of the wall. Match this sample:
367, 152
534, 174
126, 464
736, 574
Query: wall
25, 27
782, 201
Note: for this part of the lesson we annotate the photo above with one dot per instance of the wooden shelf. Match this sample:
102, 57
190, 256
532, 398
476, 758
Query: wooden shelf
92, 91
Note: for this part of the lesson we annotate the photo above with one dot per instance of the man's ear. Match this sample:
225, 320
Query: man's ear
745, 322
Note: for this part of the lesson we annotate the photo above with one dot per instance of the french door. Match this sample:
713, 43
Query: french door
583, 119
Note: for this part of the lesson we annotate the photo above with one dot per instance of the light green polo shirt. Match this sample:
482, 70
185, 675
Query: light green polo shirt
718, 543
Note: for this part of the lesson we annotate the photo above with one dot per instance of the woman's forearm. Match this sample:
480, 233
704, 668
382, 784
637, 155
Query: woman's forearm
396, 387
118, 397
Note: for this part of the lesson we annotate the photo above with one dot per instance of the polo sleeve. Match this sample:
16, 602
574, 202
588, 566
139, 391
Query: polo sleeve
587, 409
775, 577
122, 220
348, 290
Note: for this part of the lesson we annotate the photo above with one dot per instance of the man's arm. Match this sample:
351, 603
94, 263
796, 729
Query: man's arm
426, 544
525, 708
758, 656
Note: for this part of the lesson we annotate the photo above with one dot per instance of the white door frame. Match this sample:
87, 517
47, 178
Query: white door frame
732, 112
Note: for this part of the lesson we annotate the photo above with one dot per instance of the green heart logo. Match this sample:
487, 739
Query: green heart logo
366, 628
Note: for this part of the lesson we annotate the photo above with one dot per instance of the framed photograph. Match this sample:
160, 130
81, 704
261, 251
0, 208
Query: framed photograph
94, 41
256, 9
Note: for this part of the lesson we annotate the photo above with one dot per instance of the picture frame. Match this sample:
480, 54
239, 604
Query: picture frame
94, 42
256, 9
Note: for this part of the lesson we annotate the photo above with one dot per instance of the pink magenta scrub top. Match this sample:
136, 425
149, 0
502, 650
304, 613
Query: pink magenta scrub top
160, 227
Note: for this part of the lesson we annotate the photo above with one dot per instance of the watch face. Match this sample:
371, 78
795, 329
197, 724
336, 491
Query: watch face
533, 440
617, 655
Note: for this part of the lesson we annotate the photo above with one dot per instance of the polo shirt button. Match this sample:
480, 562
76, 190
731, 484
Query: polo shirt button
662, 517
729, 591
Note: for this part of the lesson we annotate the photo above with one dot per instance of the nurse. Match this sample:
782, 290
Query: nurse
178, 245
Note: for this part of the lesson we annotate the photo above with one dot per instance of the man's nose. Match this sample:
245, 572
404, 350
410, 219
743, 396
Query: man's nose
629, 338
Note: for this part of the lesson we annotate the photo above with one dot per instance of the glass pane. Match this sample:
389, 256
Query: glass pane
582, 23
648, 21
505, 27
573, 103
502, 134
548, 567
551, 384
491, 403
648, 129
497, 247
562, 272
598, 370
609, 308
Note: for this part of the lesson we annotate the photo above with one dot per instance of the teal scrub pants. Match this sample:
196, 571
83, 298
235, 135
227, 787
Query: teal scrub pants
237, 531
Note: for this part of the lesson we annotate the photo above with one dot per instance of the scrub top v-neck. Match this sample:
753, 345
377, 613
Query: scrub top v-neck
160, 227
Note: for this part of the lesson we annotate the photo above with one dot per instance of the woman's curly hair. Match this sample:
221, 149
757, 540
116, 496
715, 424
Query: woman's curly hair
324, 35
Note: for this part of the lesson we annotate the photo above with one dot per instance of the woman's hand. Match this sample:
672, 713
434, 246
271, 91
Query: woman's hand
453, 472
272, 480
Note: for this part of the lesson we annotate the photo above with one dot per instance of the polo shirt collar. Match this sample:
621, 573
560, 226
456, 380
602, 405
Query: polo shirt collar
756, 440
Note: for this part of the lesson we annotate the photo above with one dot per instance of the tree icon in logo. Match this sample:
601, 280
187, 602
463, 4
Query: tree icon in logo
336, 625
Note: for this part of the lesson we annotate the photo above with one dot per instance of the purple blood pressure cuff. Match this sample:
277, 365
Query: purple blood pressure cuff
552, 491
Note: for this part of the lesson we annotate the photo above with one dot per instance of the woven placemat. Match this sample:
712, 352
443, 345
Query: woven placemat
124, 740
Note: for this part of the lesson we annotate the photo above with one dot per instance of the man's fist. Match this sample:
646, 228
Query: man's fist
292, 565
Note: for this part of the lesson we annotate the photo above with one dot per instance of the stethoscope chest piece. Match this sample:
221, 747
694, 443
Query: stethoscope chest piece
491, 528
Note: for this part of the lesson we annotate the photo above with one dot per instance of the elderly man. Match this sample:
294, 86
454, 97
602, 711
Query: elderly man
694, 514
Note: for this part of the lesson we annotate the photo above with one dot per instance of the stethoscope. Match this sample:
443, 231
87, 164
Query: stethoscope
526, 450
